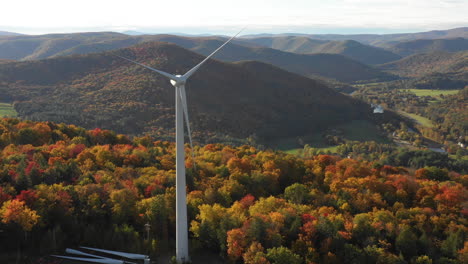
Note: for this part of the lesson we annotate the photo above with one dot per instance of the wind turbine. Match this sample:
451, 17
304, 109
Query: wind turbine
178, 81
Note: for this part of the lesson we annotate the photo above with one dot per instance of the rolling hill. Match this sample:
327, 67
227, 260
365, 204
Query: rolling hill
296, 44
326, 66
435, 62
379, 39
406, 48
350, 48
332, 66
29, 47
225, 100
7, 33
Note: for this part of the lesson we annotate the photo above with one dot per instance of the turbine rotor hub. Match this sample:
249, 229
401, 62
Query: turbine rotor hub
179, 81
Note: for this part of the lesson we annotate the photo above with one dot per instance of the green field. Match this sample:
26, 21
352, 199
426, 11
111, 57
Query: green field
433, 93
297, 151
419, 119
366, 85
361, 130
7, 110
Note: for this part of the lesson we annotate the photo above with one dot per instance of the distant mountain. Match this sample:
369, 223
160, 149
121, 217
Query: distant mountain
295, 44
22, 47
406, 48
326, 65
33, 47
29, 47
350, 48
53, 45
435, 62
378, 39
331, 66
357, 51
225, 100
6, 33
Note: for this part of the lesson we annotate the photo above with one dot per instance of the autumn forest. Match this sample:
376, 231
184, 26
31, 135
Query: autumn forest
62, 185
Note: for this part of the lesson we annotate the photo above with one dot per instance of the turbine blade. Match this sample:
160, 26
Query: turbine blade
168, 75
118, 253
183, 99
102, 260
194, 69
77, 252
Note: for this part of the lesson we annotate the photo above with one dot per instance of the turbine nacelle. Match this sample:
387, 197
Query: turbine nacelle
178, 81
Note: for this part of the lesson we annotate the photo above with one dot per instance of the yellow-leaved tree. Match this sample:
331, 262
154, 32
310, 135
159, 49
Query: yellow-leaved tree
15, 211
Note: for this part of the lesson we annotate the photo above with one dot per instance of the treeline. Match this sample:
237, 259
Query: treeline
438, 81
63, 186
390, 154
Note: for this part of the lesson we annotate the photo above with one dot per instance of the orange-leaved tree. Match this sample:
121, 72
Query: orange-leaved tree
15, 211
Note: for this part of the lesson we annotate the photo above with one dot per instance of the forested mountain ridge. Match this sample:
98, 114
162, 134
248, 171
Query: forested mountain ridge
406, 48
329, 66
334, 66
380, 39
62, 186
7, 33
235, 100
435, 62
43, 46
350, 48
33, 47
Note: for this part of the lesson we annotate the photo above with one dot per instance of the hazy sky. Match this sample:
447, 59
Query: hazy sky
218, 16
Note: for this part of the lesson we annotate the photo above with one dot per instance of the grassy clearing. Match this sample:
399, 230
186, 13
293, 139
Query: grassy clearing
419, 119
292, 145
364, 85
294, 151
7, 110
433, 93
361, 130
297, 151
356, 130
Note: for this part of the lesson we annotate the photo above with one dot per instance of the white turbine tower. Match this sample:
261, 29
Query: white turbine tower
178, 81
